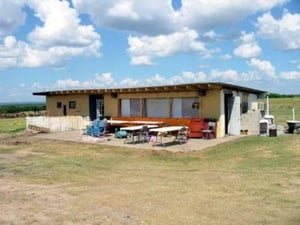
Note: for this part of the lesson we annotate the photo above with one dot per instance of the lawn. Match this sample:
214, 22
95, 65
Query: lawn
254, 180
281, 108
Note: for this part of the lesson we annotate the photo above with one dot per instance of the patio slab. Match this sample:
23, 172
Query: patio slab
193, 144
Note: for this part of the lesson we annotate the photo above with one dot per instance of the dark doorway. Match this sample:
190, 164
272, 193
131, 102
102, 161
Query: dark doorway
96, 103
65, 110
228, 108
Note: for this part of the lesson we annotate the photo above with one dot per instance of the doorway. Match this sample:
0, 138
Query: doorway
64, 110
232, 114
96, 103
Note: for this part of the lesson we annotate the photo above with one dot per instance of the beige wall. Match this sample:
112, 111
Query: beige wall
210, 104
82, 105
111, 105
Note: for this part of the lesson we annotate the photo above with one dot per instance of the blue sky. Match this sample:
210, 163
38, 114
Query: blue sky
82, 44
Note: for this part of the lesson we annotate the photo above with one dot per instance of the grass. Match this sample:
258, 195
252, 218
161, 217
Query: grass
281, 108
254, 180
12, 125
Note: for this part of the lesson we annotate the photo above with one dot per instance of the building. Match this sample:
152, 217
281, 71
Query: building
175, 104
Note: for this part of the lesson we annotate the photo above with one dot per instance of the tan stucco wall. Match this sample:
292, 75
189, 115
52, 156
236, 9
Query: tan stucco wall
111, 105
210, 104
82, 105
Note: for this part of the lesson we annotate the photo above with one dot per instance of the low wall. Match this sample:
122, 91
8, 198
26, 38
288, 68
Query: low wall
58, 124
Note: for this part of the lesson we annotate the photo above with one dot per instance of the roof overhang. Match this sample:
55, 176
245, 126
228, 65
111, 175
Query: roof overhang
167, 88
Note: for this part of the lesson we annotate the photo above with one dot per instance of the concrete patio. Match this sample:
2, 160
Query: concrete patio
193, 144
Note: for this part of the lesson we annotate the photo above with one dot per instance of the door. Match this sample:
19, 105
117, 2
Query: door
65, 110
234, 125
96, 106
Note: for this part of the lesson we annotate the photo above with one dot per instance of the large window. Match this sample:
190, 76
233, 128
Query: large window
156, 107
185, 107
130, 107
161, 107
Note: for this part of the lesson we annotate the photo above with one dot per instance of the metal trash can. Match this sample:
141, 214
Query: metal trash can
272, 132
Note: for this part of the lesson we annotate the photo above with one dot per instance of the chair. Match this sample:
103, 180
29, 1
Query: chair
182, 135
143, 134
210, 131
97, 129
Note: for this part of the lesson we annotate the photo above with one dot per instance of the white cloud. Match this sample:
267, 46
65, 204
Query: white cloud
141, 60
124, 10
206, 15
105, 79
67, 83
129, 82
290, 75
224, 75
142, 16
142, 49
264, 67
285, 31
194, 77
60, 37
9, 52
149, 18
11, 16
248, 47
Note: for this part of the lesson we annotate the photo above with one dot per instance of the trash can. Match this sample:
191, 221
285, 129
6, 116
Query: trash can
272, 132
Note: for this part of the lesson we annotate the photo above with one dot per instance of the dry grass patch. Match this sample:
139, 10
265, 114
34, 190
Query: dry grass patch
255, 180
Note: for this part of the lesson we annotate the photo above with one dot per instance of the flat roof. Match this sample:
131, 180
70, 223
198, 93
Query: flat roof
164, 88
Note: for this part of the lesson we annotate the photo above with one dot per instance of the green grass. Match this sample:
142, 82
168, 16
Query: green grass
252, 180
12, 125
281, 108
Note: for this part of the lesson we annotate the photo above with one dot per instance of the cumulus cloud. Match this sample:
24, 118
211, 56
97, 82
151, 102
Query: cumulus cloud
9, 52
206, 15
149, 18
285, 32
290, 75
59, 37
142, 49
248, 47
143, 16
263, 67
224, 75
11, 16
67, 83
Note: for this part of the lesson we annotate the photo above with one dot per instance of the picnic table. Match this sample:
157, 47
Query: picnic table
181, 137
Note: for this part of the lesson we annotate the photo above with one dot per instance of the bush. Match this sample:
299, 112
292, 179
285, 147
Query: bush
17, 108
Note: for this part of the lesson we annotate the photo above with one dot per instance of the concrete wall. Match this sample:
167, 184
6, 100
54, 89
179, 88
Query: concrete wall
58, 124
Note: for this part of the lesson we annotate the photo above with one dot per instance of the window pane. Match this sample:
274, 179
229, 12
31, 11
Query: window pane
190, 107
157, 108
130, 107
185, 107
177, 108
125, 107
134, 107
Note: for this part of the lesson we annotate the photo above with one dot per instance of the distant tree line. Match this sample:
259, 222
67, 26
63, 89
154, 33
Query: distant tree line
275, 95
17, 108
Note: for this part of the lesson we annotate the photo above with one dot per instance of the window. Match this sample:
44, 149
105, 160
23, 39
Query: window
58, 105
72, 104
130, 107
185, 107
157, 107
